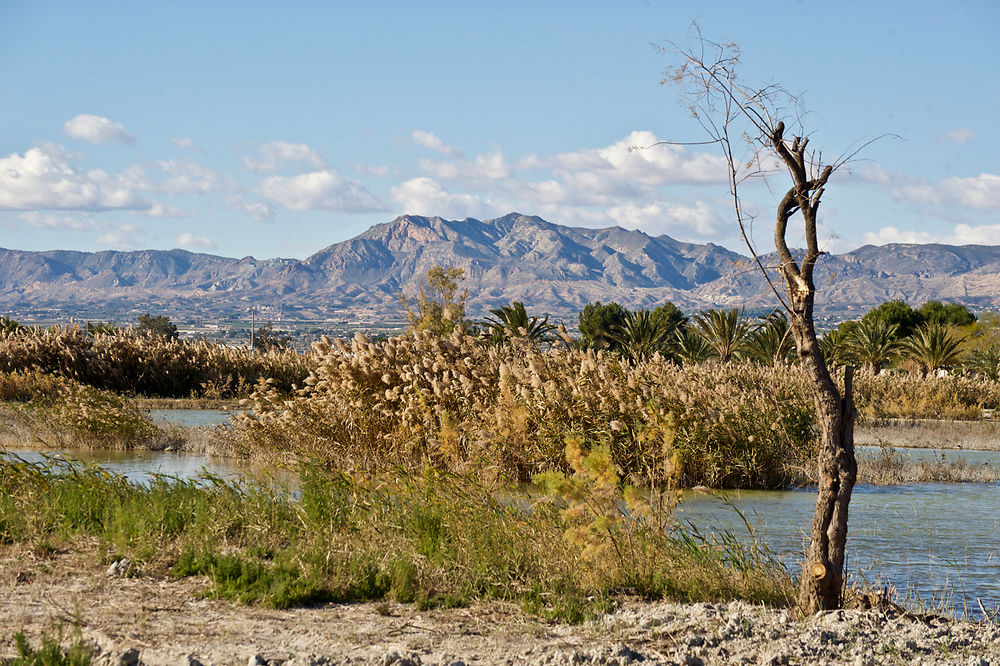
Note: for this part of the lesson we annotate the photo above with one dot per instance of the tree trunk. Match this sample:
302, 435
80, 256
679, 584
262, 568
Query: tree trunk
823, 573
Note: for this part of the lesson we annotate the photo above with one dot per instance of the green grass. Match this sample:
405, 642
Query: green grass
49, 653
434, 539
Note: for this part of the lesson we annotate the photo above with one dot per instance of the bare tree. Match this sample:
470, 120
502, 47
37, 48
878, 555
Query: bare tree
748, 124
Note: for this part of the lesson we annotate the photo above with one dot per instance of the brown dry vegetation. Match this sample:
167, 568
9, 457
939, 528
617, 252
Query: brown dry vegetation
127, 362
506, 412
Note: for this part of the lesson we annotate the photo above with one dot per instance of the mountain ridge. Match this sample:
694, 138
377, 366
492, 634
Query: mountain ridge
550, 267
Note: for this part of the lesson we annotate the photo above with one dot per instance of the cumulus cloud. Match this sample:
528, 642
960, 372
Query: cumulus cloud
430, 140
637, 158
97, 129
57, 222
186, 177
187, 144
425, 196
45, 178
276, 155
124, 236
258, 210
192, 242
982, 191
159, 209
674, 219
956, 135
319, 190
961, 234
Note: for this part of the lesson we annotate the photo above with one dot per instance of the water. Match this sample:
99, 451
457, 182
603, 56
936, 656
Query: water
141, 466
938, 542
970, 456
193, 418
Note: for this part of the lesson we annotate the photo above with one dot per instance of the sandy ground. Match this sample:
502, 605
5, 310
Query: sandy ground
153, 619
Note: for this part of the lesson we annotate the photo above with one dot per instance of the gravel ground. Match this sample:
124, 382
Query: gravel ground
158, 620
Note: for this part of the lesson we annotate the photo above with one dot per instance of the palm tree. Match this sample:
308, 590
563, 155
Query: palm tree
727, 332
986, 362
874, 342
836, 348
690, 347
772, 342
641, 335
933, 346
512, 321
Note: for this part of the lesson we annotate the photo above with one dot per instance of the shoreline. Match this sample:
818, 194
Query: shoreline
154, 619
930, 434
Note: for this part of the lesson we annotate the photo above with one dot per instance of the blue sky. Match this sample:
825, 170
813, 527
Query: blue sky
275, 129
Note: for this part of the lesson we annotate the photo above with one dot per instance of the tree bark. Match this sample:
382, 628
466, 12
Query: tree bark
823, 573
822, 581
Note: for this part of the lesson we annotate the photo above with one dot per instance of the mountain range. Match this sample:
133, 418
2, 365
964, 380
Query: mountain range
551, 268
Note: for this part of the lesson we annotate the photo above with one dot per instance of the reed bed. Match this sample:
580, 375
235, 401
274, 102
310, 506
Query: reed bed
127, 362
506, 412
911, 395
891, 467
432, 539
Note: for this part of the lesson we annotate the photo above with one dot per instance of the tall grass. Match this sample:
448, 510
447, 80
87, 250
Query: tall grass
432, 539
506, 412
128, 362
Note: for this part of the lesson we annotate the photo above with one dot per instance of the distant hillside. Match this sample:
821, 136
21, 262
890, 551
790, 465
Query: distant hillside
551, 268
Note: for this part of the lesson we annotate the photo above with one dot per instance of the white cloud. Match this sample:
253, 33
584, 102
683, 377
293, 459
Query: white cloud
125, 236
982, 191
425, 196
97, 129
159, 209
192, 242
319, 190
659, 217
44, 178
258, 210
430, 140
377, 170
187, 144
57, 222
186, 177
956, 135
637, 158
961, 234
277, 155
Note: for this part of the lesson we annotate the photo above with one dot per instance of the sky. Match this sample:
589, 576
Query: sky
276, 129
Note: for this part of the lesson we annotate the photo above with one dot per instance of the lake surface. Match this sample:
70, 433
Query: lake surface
970, 456
193, 418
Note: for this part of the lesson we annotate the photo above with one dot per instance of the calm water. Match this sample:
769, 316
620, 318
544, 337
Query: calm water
193, 418
933, 540
940, 542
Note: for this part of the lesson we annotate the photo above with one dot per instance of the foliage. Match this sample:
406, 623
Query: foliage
772, 343
597, 324
690, 347
158, 327
933, 346
874, 342
129, 362
267, 339
836, 347
642, 334
431, 539
505, 412
954, 314
986, 361
8, 325
727, 332
100, 327
894, 314
669, 317
50, 652
512, 321
440, 307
